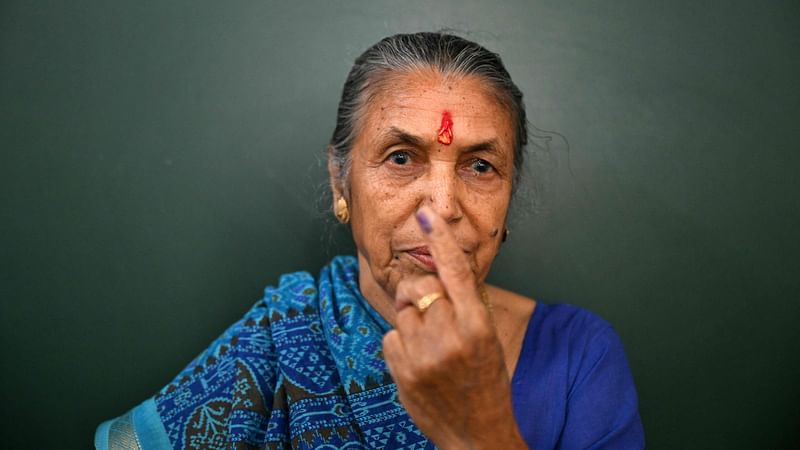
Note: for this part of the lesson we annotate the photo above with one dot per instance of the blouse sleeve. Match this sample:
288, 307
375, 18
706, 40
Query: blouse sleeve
602, 405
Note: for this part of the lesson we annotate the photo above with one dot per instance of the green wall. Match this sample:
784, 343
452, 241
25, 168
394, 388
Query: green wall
161, 163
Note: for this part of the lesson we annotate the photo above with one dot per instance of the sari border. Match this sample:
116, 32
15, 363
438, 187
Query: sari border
138, 429
101, 435
149, 429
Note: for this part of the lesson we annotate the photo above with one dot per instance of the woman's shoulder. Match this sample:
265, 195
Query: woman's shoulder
567, 330
537, 320
246, 342
573, 332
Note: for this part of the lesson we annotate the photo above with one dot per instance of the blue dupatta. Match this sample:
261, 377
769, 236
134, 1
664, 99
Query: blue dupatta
302, 369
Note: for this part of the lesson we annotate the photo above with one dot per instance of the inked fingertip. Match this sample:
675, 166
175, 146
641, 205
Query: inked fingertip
424, 222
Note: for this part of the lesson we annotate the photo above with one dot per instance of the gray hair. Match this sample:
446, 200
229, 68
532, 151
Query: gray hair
403, 53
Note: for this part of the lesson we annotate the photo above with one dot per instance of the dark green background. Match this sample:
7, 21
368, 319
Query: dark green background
161, 163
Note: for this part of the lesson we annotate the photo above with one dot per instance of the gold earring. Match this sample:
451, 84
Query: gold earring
506, 232
342, 212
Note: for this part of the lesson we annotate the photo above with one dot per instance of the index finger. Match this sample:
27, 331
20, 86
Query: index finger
452, 265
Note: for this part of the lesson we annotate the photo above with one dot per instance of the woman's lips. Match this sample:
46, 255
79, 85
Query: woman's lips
423, 256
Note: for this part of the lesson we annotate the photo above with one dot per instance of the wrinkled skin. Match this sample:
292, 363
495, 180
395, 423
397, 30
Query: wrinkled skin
451, 364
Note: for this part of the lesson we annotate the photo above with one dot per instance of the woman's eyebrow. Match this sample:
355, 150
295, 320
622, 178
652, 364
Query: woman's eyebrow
487, 146
399, 135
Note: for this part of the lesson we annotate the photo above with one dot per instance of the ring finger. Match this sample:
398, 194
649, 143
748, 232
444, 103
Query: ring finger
419, 292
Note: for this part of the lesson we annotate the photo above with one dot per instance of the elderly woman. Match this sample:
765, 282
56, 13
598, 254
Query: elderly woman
405, 345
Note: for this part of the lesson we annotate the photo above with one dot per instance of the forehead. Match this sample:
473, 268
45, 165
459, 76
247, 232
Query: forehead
416, 102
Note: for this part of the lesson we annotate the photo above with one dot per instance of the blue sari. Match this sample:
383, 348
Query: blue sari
303, 369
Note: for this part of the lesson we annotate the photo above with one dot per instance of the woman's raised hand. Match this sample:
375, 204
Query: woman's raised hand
447, 361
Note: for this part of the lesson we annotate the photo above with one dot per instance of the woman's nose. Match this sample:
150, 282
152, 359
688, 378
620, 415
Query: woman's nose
443, 193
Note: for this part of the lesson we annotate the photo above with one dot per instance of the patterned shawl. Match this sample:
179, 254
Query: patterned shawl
302, 369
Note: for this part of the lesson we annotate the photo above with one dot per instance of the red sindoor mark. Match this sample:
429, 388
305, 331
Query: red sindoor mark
446, 129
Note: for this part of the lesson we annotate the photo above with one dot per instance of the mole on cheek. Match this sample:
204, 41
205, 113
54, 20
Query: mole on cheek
446, 129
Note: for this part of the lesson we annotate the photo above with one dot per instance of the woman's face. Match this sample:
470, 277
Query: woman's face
399, 163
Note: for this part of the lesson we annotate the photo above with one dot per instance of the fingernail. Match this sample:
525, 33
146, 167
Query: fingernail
424, 223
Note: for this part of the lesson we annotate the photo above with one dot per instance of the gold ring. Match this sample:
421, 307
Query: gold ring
426, 301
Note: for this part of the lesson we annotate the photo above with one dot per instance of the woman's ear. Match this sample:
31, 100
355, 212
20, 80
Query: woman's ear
340, 208
334, 177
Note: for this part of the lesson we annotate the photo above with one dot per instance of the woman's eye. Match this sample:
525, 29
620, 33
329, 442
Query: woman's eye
400, 158
481, 166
